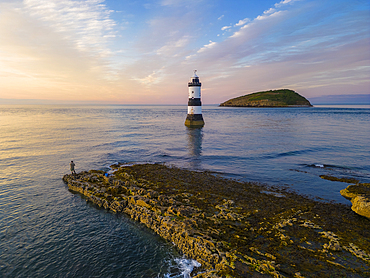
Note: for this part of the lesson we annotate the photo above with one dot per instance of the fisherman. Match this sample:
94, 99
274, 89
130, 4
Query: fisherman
72, 167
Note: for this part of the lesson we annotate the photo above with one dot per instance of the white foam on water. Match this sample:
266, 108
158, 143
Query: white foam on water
319, 165
185, 267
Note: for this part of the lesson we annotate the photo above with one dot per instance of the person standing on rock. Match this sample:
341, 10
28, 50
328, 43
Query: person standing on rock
72, 167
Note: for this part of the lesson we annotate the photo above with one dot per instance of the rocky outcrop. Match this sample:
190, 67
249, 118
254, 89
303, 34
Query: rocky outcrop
359, 194
155, 211
234, 229
361, 205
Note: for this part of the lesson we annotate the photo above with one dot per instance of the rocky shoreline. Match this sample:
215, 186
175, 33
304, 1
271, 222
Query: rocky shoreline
234, 229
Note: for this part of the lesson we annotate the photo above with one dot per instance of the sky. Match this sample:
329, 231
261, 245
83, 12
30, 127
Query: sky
144, 52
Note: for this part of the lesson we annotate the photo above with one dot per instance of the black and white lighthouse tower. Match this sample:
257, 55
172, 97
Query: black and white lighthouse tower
194, 117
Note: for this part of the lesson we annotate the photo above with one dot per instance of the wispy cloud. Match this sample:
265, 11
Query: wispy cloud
225, 28
207, 46
86, 23
242, 22
178, 3
54, 46
285, 2
276, 44
172, 48
269, 11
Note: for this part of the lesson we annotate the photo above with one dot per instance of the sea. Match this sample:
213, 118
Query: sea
47, 231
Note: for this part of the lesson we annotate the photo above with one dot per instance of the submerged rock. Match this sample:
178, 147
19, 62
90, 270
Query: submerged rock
234, 229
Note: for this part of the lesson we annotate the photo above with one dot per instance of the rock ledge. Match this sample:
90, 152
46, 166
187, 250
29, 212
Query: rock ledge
234, 229
359, 194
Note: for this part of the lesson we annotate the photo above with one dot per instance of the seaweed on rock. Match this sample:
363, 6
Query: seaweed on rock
235, 229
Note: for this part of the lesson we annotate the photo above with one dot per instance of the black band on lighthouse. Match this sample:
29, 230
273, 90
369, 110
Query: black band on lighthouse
194, 84
194, 102
194, 117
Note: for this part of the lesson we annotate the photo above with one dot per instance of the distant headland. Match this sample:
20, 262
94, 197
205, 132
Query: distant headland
272, 98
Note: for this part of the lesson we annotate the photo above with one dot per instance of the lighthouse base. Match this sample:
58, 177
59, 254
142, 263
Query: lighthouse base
194, 120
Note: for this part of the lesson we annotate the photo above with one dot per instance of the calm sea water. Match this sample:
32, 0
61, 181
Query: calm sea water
46, 231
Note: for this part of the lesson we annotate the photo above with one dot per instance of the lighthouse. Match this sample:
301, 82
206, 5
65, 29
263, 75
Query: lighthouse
194, 117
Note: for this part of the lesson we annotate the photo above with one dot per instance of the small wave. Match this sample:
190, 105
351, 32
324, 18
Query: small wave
184, 266
319, 165
331, 166
291, 153
187, 266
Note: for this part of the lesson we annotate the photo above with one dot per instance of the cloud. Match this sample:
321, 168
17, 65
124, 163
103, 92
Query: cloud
270, 11
295, 47
269, 15
207, 46
153, 78
242, 22
86, 23
167, 41
54, 46
172, 48
178, 3
75, 50
169, 30
248, 29
285, 2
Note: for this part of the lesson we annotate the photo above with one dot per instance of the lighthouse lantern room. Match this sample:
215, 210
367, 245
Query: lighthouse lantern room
194, 117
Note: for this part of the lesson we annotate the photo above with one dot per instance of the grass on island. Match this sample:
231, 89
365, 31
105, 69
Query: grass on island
283, 97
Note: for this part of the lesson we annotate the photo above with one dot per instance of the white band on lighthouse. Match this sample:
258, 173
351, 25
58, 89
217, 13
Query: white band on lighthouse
194, 92
194, 109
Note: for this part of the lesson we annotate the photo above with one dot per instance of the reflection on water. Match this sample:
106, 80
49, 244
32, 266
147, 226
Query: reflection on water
195, 137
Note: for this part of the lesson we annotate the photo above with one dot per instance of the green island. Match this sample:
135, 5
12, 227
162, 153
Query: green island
234, 228
272, 98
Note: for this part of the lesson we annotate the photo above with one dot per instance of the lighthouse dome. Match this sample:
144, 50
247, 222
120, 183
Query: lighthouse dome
194, 80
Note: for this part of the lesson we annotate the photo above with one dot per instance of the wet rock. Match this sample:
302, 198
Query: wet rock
361, 205
152, 194
358, 252
233, 229
186, 211
359, 194
333, 245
